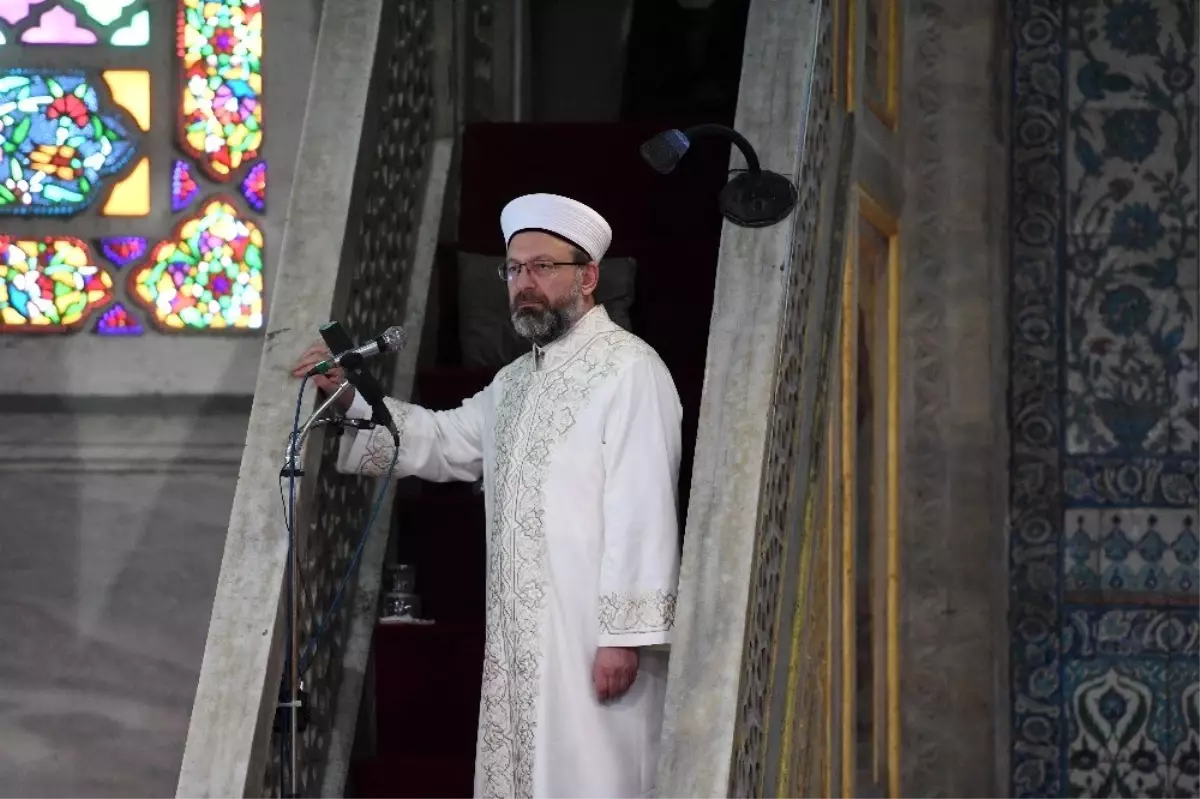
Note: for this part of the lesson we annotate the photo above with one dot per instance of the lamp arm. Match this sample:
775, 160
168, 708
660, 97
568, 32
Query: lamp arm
731, 135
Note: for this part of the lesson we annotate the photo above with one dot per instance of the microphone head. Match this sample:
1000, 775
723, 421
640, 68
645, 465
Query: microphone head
393, 339
665, 150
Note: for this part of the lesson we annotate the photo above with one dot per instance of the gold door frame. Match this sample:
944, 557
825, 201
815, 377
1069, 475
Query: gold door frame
885, 735
887, 106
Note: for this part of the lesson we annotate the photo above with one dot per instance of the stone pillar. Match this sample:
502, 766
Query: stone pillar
739, 547
953, 430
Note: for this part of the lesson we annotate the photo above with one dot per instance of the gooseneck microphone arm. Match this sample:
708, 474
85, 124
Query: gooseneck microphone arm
296, 443
713, 130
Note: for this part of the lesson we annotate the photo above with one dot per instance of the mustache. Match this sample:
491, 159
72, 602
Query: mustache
529, 295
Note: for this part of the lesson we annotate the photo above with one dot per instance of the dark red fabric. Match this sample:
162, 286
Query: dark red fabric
407, 777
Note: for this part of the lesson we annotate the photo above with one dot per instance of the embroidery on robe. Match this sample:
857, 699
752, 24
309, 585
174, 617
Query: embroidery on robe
627, 614
377, 454
535, 411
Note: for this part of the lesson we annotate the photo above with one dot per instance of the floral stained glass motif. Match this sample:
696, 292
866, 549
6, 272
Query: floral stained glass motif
124, 250
49, 284
56, 147
221, 114
209, 277
118, 321
254, 186
183, 186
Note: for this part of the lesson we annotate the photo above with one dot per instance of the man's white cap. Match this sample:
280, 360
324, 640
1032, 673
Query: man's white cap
566, 218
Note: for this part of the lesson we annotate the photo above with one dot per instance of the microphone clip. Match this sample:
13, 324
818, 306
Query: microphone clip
351, 424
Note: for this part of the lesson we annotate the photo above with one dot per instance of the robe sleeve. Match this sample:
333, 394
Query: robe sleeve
639, 571
439, 446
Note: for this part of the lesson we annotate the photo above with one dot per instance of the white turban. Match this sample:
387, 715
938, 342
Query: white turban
561, 216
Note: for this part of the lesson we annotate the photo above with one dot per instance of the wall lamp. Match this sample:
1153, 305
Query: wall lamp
754, 198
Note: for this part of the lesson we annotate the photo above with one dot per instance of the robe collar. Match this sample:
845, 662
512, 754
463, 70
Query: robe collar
561, 350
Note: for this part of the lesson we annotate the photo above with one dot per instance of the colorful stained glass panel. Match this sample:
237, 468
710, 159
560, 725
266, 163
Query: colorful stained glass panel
124, 250
221, 114
58, 26
118, 321
183, 186
13, 11
135, 34
55, 144
254, 186
131, 90
105, 12
131, 197
49, 284
209, 277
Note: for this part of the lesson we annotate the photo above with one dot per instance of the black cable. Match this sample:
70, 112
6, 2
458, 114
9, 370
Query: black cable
299, 555
285, 737
310, 650
287, 741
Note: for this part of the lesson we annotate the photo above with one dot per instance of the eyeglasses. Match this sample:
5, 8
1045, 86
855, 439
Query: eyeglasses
510, 270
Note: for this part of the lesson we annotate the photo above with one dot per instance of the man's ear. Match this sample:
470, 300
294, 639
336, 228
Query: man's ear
591, 277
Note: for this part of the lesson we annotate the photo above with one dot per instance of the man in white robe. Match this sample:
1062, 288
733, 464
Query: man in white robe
578, 445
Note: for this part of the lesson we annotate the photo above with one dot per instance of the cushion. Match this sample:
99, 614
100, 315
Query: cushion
485, 330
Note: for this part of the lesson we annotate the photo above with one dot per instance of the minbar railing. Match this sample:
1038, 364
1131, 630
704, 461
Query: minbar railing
358, 248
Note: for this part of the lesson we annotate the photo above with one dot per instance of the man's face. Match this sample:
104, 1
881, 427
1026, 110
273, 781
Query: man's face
547, 296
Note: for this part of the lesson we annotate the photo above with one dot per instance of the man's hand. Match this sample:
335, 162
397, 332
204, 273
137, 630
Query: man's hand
614, 671
327, 382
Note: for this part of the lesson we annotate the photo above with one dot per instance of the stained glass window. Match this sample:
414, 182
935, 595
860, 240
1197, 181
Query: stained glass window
209, 275
49, 284
97, 232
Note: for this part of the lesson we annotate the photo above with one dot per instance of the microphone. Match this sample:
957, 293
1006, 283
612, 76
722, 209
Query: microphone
351, 362
393, 339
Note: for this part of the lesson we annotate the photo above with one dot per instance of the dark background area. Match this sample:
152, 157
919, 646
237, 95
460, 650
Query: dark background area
597, 94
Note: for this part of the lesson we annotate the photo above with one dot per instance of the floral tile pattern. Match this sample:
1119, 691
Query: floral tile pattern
1150, 551
1105, 481
1130, 232
1037, 534
1183, 709
1118, 726
1128, 633
1131, 686
1081, 548
1132, 482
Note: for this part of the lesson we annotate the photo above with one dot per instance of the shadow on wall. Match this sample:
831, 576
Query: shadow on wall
109, 559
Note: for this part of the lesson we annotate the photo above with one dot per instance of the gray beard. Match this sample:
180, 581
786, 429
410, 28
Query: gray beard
541, 327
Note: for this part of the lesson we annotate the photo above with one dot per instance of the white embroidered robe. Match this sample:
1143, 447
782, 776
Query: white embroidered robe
578, 445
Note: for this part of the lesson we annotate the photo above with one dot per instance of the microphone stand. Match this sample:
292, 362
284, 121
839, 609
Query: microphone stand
291, 470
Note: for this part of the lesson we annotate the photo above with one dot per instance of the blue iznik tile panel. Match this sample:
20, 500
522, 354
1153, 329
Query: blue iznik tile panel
1104, 398
1130, 228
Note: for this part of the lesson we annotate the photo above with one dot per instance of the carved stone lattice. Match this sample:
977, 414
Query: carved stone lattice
809, 756
480, 44
396, 143
778, 516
